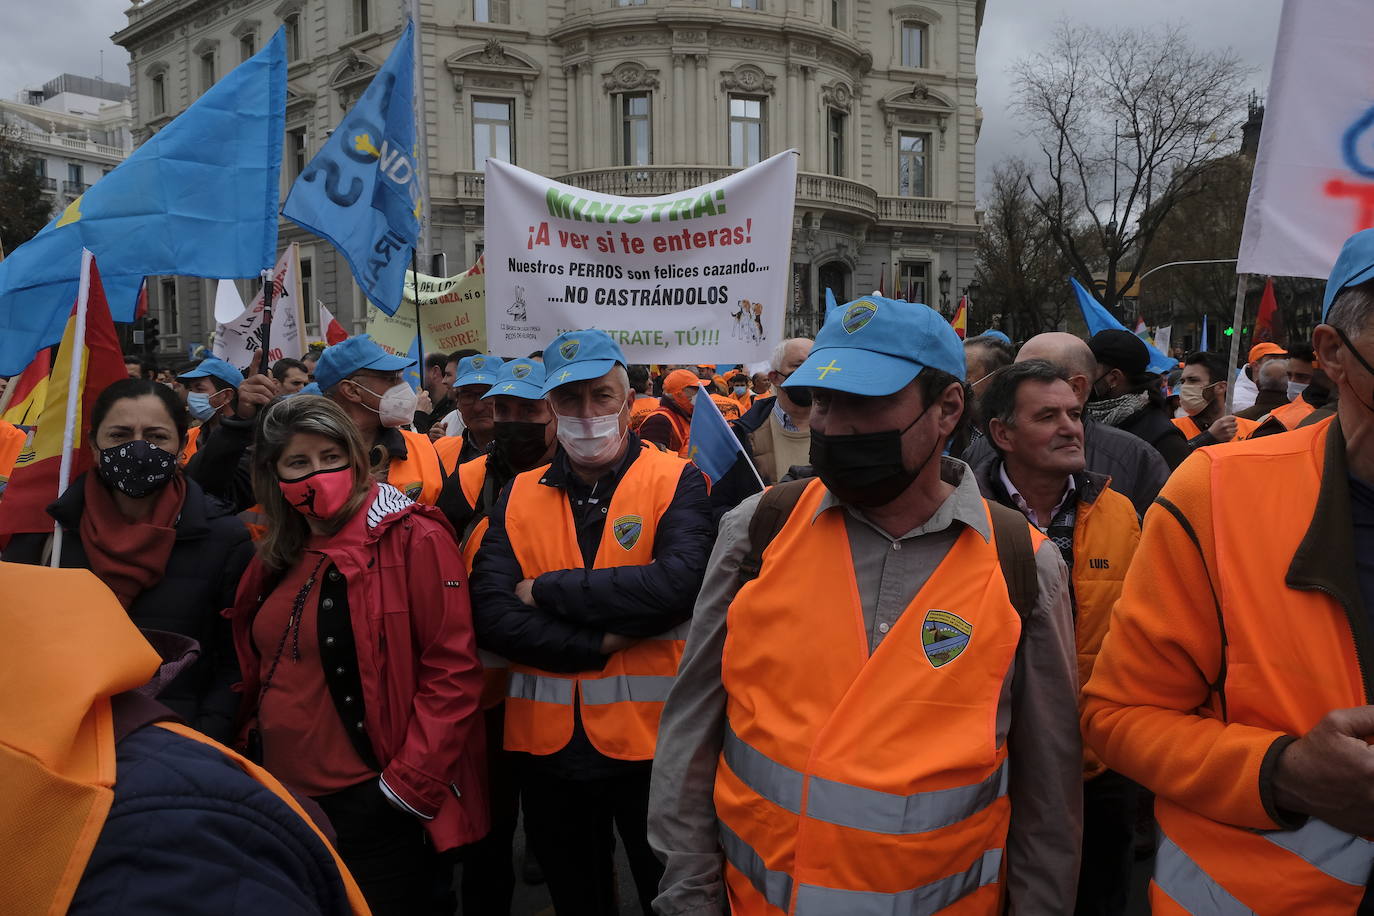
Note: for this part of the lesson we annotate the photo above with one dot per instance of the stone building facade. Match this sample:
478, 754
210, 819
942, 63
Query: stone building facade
633, 97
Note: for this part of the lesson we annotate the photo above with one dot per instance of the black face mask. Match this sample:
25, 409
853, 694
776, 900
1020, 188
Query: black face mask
1362, 361
136, 468
802, 397
521, 442
1099, 391
865, 469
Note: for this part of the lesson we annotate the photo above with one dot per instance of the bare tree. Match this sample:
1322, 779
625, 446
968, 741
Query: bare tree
1123, 119
23, 208
1020, 269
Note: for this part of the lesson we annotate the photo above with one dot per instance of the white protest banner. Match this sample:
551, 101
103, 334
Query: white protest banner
696, 276
1314, 176
452, 309
240, 340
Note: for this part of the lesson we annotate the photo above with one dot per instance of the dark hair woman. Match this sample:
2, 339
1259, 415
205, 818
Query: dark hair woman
153, 536
361, 679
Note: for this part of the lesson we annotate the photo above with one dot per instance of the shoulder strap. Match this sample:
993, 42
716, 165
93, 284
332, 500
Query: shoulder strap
771, 513
1011, 533
132, 710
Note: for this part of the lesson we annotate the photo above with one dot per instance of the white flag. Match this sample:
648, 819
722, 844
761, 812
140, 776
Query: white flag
1314, 176
228, 302
1163, 334
239, 341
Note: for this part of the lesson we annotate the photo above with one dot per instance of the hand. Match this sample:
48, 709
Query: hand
1223, 429
254, 394
614, 642
437, 432
1329, 773
524, 590
422, 402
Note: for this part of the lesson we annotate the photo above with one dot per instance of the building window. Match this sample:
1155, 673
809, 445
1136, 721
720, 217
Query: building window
835, 158
308, 308
913, 44
493, 131
159, 94
913, 165
497, 11
635, 128
296, 149
74, 173
362, 20
207, 71
629, 2
293, 36
912, 278
248, 46
745, 4
837, 14
40, 167
167, 302
747, 131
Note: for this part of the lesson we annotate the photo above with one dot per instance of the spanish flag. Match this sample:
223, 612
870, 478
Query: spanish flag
960, 319
92, 350
30, 391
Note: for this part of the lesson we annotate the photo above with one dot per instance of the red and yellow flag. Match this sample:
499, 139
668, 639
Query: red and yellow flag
34, 481
960, 319
30, 391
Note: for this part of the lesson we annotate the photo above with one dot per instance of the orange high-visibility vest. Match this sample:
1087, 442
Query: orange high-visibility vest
1292, 660
419, 475
1191, 431
495, 669
851, 783
192, 444
682, 428
12, 440
620, 704
1292, 413
640, 409
448, 448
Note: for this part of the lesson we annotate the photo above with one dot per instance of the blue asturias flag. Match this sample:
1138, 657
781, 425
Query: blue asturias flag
199, 198
712, 445
1099, 319
361, 191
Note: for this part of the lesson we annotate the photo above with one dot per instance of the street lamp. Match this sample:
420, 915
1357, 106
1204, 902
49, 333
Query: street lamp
944, 280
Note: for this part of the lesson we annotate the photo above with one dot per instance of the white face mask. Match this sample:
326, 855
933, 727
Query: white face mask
1295, 390
593, 441
397, 405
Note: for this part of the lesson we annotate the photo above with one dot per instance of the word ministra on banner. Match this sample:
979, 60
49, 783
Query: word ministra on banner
698, 275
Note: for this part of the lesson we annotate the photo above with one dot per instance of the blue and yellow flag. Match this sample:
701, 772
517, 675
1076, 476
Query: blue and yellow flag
361, 191
199, 198
712, 445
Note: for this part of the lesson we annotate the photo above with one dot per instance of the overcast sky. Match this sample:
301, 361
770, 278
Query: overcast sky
41, 40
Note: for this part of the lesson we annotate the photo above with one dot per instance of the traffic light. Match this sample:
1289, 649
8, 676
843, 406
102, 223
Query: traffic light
150, 328
1229, 331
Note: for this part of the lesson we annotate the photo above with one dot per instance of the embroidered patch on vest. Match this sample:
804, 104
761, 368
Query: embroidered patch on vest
627, 529
413, 491
944, 636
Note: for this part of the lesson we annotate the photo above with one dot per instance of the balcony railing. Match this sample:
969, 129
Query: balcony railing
75, 187
36, 138
813, 190
47, 184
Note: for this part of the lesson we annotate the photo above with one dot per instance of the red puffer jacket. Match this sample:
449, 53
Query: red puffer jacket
417, 658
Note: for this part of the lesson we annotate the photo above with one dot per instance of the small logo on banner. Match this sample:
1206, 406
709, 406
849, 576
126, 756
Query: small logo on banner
627, 529
944, 637
858, 315
568, 348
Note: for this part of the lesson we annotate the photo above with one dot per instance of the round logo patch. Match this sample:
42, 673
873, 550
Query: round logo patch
521, 370
627, 529
568, 348
944, 637
858, 315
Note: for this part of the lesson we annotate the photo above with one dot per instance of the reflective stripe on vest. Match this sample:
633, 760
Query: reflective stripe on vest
855, 806
775, 886
622, 702
928, 898
1341, 855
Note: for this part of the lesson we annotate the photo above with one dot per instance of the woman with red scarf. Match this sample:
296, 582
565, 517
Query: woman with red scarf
354, 632
167, 550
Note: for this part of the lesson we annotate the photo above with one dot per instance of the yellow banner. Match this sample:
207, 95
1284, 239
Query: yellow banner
453, 310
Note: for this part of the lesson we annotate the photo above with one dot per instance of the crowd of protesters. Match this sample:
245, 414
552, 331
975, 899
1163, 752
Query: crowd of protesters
965, 626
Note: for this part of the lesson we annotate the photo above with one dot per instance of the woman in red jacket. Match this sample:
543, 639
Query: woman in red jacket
354, 633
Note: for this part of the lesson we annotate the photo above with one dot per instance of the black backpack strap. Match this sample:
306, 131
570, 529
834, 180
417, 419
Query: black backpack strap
1011, 533
132, 710
772, 512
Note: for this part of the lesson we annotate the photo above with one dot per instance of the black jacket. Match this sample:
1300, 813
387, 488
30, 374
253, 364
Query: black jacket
210, 554
575, 608
1137, 471
1154, 426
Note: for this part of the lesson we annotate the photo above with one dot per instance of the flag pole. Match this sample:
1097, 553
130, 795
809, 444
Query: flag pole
268, 290
1236, 324
750, 461
419, 328
74, 386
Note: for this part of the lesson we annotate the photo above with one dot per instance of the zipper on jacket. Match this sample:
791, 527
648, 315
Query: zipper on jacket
1356, 635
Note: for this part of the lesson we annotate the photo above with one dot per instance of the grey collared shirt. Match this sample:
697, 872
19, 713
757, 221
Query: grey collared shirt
1038, 713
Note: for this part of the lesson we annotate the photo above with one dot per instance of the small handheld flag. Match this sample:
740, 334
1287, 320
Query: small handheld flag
712, 445
1097, 318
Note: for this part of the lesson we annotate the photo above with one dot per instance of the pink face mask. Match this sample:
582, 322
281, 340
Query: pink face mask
321, 494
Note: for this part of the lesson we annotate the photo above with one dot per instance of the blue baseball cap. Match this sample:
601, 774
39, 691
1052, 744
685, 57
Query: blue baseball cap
519, 378
312, 388
1353, 266
875, 346
996, 334
477, 370
215, 368
576, 356
347, 357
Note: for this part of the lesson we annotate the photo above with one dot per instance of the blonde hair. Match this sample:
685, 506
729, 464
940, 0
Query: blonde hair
287, 530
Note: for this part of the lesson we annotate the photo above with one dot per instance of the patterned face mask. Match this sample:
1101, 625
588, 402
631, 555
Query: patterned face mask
138, 468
